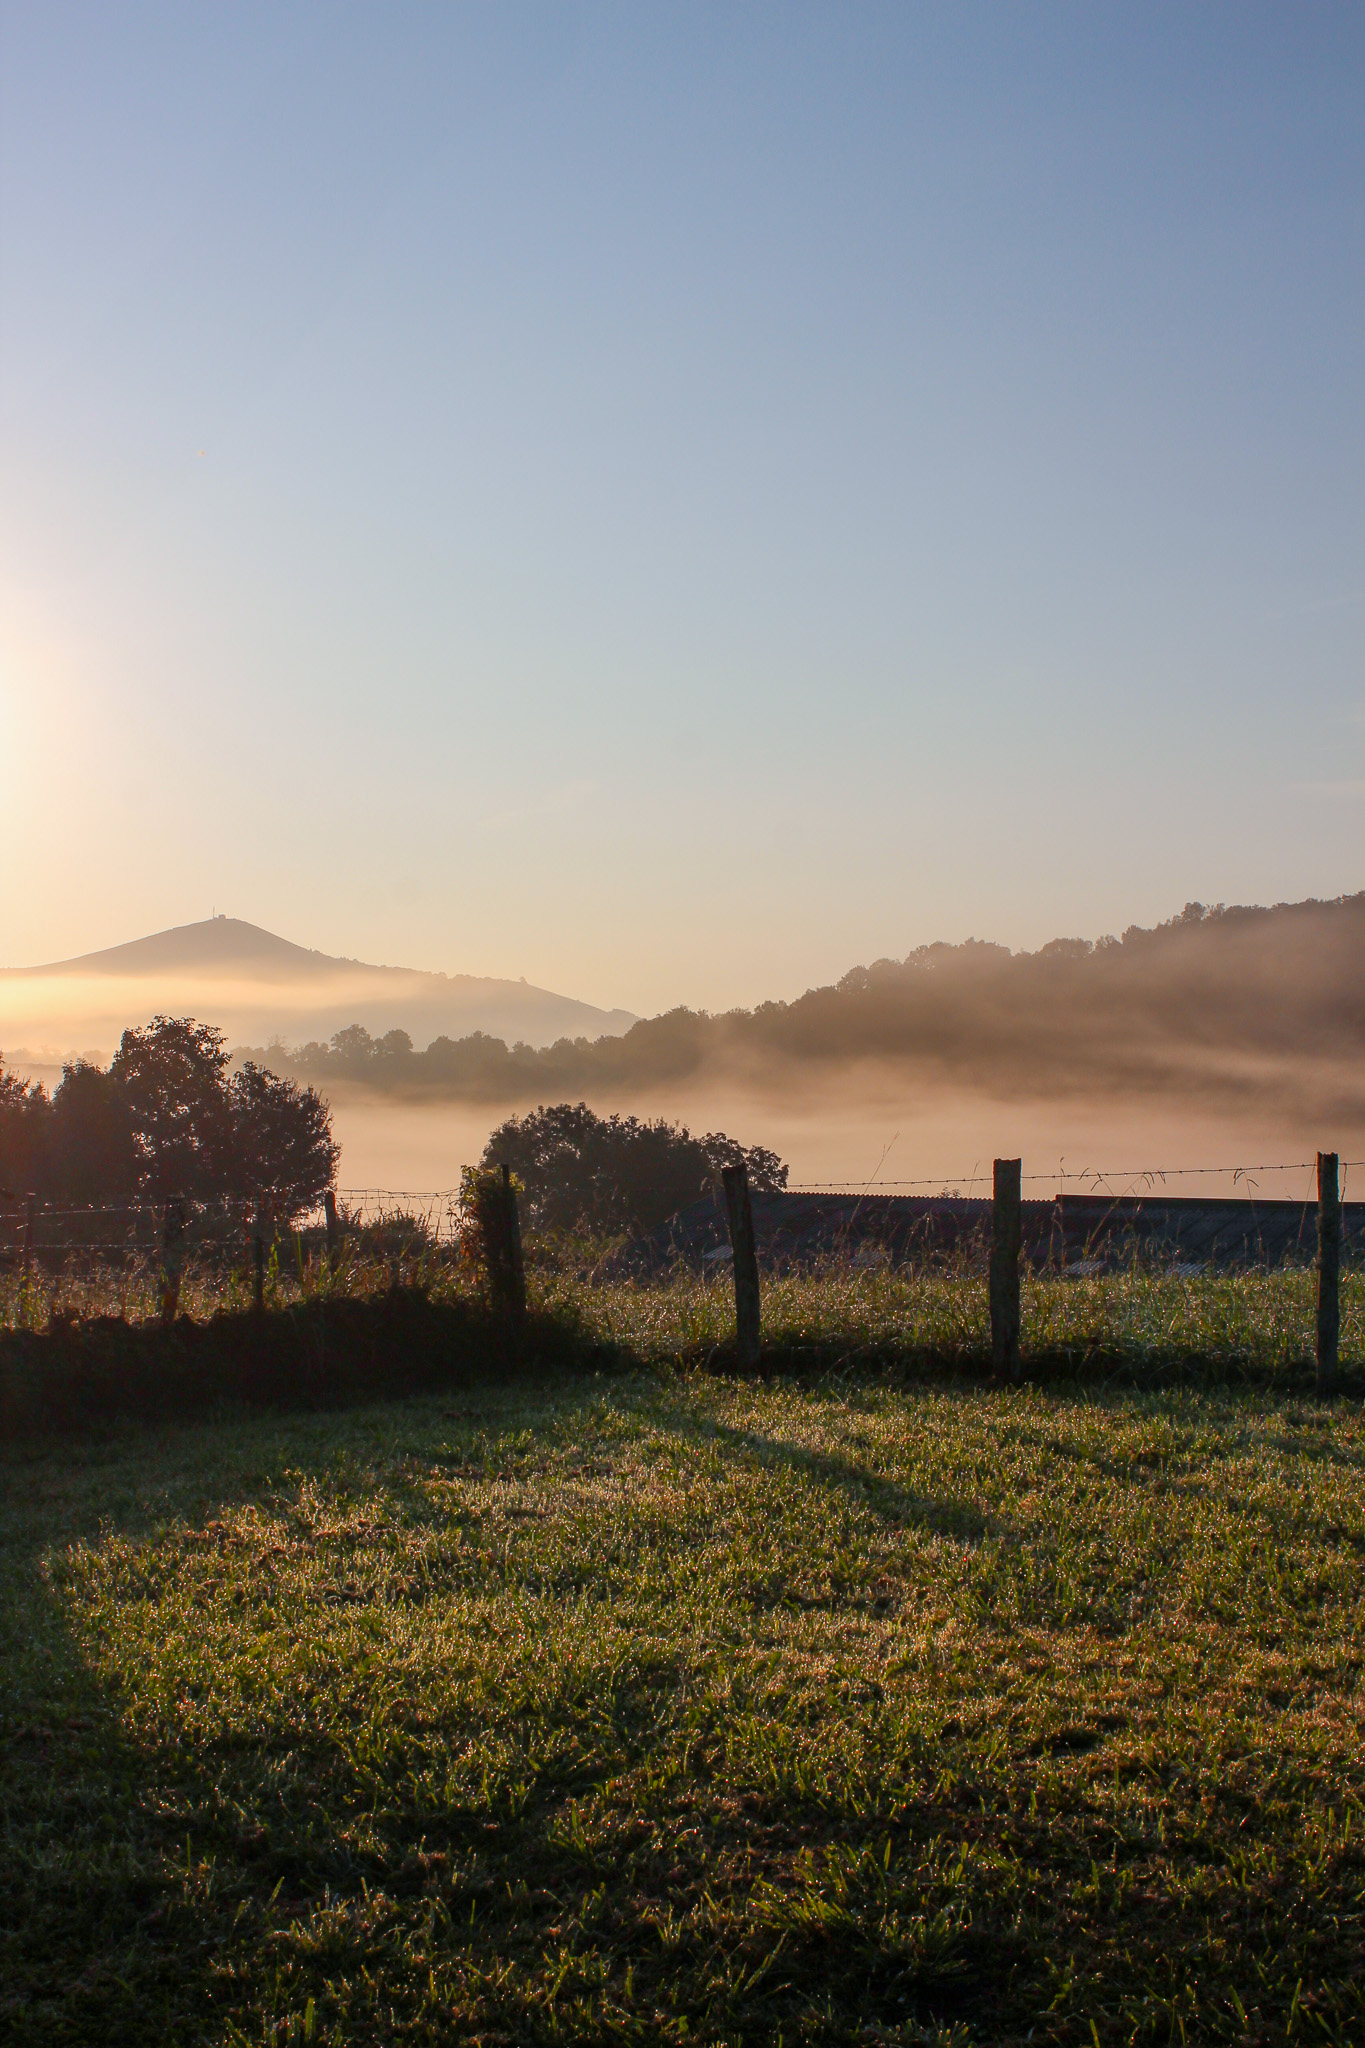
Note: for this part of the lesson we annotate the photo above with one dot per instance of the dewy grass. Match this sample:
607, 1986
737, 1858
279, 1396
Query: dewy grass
1262, 1321
665, 1708
1253, 1322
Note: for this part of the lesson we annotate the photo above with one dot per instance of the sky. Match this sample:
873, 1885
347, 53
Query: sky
673, 502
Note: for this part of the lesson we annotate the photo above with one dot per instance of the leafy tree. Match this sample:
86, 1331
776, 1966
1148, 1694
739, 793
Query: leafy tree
172, 1075
93, 1154
166, 1118
610, 1174
198, 1131
24, 1117
353, 1048
282, 1140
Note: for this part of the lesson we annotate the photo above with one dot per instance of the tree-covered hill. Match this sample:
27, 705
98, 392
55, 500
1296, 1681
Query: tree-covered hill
1221, 1002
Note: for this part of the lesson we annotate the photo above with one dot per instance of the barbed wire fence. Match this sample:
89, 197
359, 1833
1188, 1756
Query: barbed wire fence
438, 1217
438, 1213
1101, 1179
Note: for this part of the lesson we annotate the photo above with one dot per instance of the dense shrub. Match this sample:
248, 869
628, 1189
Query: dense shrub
579, 1171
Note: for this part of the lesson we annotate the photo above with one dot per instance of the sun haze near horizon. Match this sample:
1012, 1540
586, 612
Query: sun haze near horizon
675, 503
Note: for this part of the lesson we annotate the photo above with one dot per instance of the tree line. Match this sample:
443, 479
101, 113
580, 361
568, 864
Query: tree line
166, 1117
1157, 1011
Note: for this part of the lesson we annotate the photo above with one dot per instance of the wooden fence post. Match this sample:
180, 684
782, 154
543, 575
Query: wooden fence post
172, 1257
258, 1255
1329, 1270
1006, 1237
329, 1203
30, 1233
740, 1216
502, 1248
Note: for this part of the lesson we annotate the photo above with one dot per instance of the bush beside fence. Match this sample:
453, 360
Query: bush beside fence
324, 1353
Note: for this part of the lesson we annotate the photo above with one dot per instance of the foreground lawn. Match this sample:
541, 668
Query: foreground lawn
666, 1709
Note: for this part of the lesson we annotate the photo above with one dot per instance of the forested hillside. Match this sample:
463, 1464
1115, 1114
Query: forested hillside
1219, 1001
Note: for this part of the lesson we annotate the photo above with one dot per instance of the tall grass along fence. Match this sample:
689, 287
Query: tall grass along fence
166, 1308
129, 1251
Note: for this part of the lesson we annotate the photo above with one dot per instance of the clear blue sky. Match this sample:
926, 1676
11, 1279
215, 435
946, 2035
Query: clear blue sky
673, 501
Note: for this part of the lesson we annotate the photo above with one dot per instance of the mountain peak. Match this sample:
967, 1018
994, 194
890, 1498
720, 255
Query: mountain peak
254, 983
222, 945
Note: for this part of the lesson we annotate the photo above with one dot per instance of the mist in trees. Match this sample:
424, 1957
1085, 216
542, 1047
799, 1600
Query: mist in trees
1234, 1004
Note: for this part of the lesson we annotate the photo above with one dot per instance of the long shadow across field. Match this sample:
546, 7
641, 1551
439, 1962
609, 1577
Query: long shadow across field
143, 1872
161, 1884
862, 1485
169, 1874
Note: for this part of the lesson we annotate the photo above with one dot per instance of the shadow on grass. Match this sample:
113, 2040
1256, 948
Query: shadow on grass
605, 1879
896, 1505
326, 1353
271, 1882
79, 1379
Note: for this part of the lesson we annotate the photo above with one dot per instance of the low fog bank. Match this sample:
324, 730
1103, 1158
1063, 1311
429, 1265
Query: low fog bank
1224, 1037
844, 1132
47, 1018
1255, 1014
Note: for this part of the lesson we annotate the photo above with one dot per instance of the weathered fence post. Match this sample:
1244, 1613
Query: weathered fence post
1006, 1237
30, 1233
740, 1216
258, 1255
1329, 1270
329, 1203
172, 1257
501, 1226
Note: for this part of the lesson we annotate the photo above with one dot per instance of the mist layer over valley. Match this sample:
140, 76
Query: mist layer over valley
1234, 1008
1224, 1034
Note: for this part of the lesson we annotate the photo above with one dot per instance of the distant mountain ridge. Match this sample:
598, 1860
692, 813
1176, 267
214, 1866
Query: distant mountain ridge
255, 984
1238, 1005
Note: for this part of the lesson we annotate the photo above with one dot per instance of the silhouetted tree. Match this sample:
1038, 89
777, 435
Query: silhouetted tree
282, 1141
582, 1171
25, 1112
353, 1048
93, 1156
166, 1118
173, 1077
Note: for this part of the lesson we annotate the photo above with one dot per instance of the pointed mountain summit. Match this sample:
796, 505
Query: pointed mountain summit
257, 986
215, 945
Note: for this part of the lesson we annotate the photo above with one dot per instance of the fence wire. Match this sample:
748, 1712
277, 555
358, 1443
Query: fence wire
1099, 1179
436, 1215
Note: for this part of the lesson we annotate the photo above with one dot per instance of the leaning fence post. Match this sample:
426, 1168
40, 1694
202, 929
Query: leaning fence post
329, 1203
1006, 1235
740, 1216
1329, 1270
172, 1257
258, 1255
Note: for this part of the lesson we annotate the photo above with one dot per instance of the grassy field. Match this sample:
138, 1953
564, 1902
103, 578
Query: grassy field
663, 1708
1253, 1321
